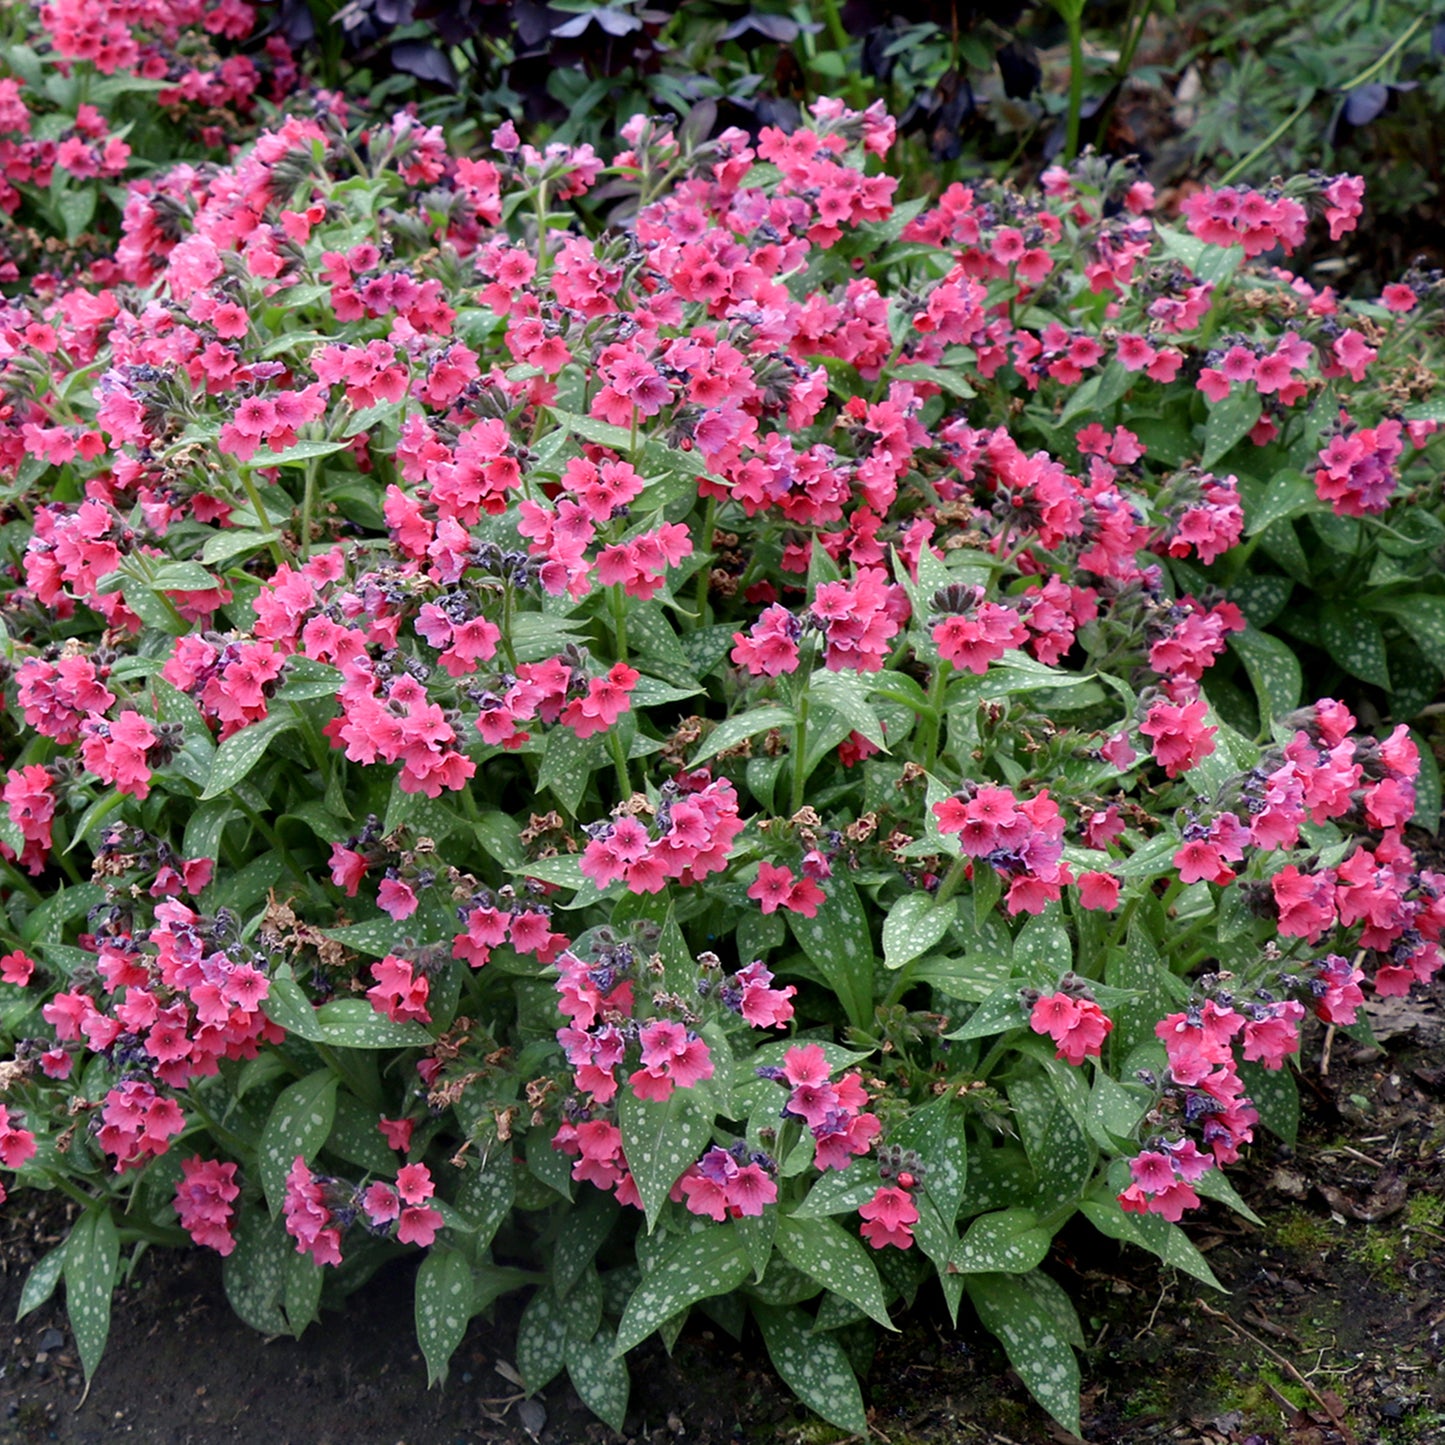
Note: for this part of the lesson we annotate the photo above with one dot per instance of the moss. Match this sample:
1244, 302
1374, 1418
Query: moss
1297, 1229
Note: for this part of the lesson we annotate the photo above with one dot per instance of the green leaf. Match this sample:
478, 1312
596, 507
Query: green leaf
242, 751
352, 1023
1427, 788
1007, 1242
660, 1140
254, 1273
1215, 1185
41, 1281
91, 1256
234, 542
839, 942
287, 1005
1289, 494
541, 1340
847, 695
298, 1124
600, 1379
484, 1197
1354, 641
296, 455
584, 1230
813, 1366
1275, 1094
568, 764
997, 1014
1422, 615
836, 1192
1273, 669
443, 1308
1229, 423
734, 730
1023, 1312
1136, 968
355, 1137
301, 1291
913, 925
1149, 1232
712, 1261
838, 1261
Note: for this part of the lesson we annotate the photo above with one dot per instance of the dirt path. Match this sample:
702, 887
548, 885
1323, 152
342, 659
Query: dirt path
1333, 1332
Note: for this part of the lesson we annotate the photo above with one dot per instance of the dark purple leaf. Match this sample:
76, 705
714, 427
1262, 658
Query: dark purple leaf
701, 120
778, 29
1437, 39
393, 12
426, 62
617, 22
1019, 68
1365, 102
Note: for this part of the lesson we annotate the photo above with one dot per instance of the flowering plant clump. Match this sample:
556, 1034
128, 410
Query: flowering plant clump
702, 734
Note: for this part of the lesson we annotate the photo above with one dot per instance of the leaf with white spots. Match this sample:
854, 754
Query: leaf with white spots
352, 1023
839, 942
698, 1266
91, 1256
355, 1137
839, 1191
484, 1197
814, 1367
1273, 669
254, 1273
1137, 969
1007, 1242
443, 1308
825, 1250
242, 751
1017, 1310
41, 1281
734, 730
568, 764
847, 694
1043, 954
913, 925
1354, 641
299, 1122
1422, 615
660, 1140
287, 1005
1114, 1110
1229, 423
938, 1134
1151, 1232
1060, 1152
997, 1014
1275, 1094
1215, 1185
541, 1340
600, 1379
301, 1292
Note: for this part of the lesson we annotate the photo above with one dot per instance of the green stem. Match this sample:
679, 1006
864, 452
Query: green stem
800, 753
1075, 21
1283, 127
263, 520
619, 620
933, 719
308, 506
619, 761
953, 880
704, 573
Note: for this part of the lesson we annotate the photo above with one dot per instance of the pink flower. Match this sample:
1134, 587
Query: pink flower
16, 968
890, 1216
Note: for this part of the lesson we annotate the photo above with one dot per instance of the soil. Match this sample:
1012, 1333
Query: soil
1333, 1332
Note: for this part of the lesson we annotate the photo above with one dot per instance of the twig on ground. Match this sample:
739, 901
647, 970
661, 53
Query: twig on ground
1232, 1324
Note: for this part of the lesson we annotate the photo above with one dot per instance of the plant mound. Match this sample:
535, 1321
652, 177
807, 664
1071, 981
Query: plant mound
672, 768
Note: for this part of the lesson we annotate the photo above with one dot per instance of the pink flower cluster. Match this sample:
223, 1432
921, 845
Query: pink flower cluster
889, 1217
1241, 216
204, 1202
832, 1109
692, 832
317, 1209
17, 1145
727, 1184
1022, 841
1074, 1022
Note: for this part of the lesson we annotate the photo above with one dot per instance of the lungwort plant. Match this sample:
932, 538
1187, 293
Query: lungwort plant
670, 769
